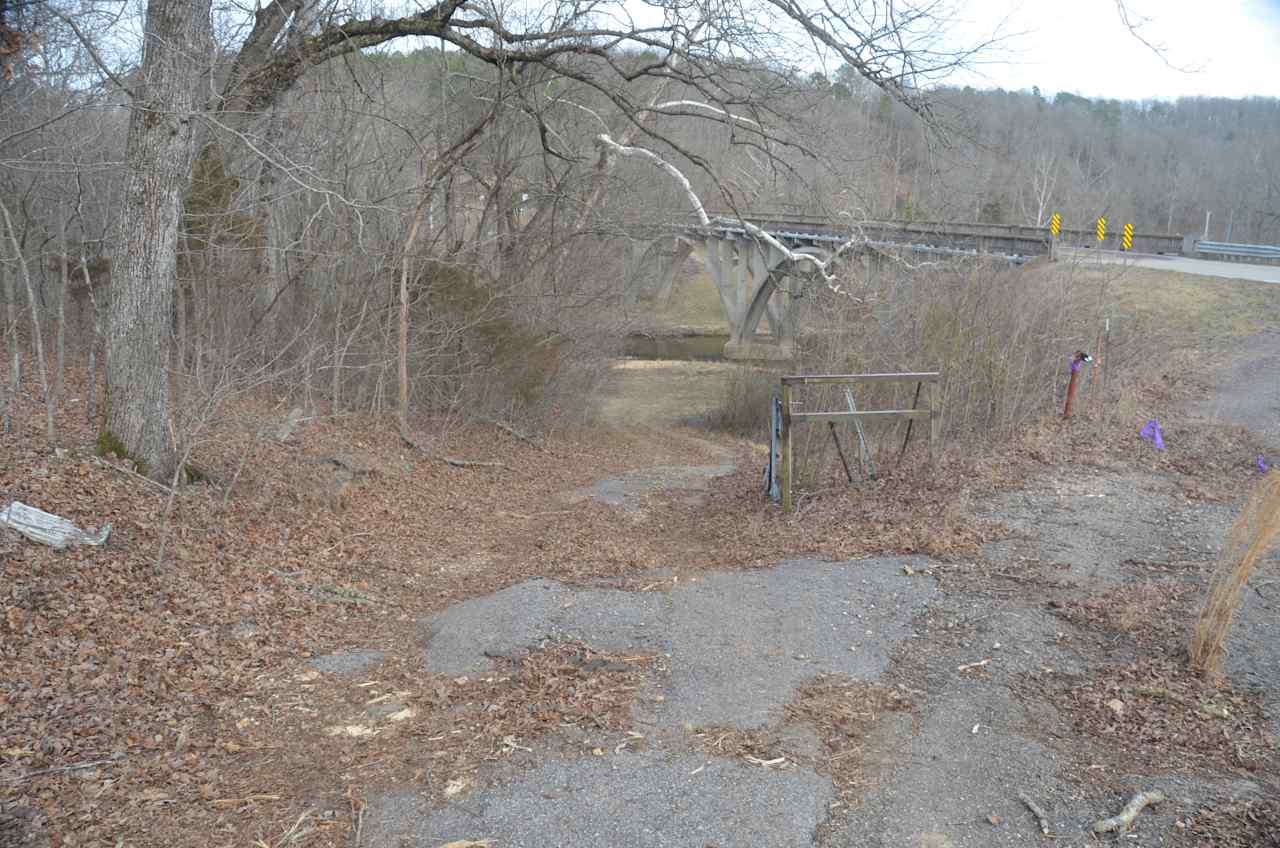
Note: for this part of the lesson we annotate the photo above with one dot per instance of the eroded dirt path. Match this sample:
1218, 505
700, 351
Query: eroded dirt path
1046, 666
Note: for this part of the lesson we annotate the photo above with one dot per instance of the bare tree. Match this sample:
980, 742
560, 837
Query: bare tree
725, 63
158, 170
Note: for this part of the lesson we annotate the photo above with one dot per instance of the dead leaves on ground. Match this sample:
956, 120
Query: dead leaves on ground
842, 712
1157, 715
1253, 823
1155, 613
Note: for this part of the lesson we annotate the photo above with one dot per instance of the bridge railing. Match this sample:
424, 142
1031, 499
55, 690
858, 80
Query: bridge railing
830, 225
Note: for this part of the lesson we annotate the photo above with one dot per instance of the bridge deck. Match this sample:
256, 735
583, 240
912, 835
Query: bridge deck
1010, 240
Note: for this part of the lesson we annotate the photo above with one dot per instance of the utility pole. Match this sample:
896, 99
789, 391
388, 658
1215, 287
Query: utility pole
1208, 213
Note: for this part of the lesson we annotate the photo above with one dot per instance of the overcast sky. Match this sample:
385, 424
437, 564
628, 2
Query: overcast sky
1083, 47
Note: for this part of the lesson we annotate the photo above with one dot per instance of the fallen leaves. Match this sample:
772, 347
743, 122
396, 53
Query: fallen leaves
1158, 713
355, 731
842, 712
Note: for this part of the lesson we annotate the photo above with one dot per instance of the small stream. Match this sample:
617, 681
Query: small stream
699, 347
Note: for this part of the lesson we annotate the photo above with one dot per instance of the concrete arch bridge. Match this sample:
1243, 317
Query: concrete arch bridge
755, 280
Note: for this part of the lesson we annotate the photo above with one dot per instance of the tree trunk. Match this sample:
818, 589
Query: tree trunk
158, 159
403, 359
59, 342
95, 339
11, 331
36, 335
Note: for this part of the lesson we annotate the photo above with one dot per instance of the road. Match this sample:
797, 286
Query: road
1180, 264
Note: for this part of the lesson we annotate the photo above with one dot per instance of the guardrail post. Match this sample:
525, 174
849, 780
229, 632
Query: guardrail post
786, 448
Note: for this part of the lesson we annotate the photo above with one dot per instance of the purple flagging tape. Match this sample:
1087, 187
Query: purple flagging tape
1151, 433
1262, 463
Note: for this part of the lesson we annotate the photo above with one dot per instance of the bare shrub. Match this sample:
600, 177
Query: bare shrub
743, 407
1002, 338
1250, 537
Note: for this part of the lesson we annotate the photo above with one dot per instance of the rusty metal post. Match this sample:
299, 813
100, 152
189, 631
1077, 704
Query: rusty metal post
1078, 360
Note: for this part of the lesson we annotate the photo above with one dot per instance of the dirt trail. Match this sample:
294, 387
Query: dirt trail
983, 649
660, 394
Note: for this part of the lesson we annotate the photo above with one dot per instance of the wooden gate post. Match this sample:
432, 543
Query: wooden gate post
935, 419
786, 448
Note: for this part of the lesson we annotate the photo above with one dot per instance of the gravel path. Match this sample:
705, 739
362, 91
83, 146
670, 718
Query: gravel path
736, 646
1248, 392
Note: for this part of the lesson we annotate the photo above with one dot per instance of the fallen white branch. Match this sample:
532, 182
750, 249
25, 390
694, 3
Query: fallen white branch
1121, 822
49, 529
1041, 818
978, 664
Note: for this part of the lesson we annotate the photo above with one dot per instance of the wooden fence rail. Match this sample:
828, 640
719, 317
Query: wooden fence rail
931, 413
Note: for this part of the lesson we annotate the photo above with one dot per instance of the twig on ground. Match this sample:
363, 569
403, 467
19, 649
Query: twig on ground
59, 769
507, 428
345, 594
358, 807
448, 460
135, 475
1122, 821
978, 664
1036, 811
342, 541
470, 463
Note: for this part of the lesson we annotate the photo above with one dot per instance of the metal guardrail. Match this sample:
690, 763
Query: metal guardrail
1264, 252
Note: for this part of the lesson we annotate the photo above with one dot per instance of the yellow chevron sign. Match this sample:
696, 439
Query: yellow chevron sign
1055, 224
1126, 241
1102, 229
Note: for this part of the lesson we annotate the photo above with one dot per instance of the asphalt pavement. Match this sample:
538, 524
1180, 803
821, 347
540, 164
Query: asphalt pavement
1179, 264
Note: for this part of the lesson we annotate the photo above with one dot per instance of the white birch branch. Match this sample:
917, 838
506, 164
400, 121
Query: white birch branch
697, 104
609, 147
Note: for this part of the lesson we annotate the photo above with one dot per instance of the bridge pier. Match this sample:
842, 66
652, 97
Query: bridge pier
652, 270
746, 273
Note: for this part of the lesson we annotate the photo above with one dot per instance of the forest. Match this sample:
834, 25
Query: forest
440, 227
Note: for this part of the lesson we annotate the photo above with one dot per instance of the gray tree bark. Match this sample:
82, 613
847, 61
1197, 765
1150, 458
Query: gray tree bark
11, 331
159, 157
60, 335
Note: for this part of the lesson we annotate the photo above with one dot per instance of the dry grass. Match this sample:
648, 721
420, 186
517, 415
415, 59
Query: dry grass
1248, 540
743, 407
